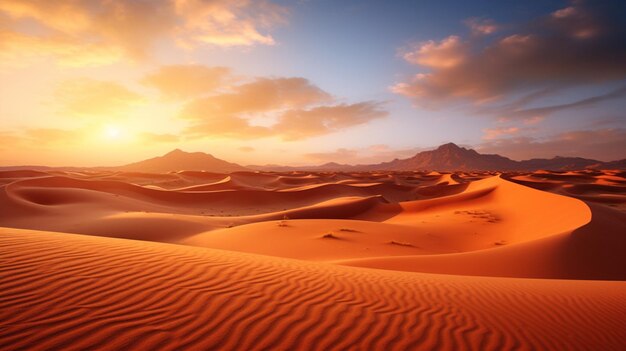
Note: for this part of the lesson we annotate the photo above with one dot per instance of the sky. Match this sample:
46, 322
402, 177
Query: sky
102, 83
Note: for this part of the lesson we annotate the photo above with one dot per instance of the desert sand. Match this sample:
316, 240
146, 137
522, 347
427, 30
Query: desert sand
313, 260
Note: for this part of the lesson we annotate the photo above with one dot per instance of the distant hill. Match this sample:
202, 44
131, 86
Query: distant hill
451, 157
619, 164
561, 163
180, 160
447, 157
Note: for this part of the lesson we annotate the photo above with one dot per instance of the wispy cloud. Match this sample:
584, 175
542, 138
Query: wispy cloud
481, 26
84, 32
537, 113
495, 133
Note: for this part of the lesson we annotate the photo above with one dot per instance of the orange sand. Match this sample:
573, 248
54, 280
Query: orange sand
285, 260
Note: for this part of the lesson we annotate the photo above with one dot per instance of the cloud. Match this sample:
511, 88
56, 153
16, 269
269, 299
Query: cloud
228, 22
600, 144
290, 108
266, 94
20, 50
73, 32
300, 124
261, 95
533, 120
226, 126
90, 97
186, 81
481, 26
581, 45
290, 125
448, 53
495, 133
538, 113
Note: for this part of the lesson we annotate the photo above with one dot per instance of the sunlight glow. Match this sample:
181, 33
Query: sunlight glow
112, 132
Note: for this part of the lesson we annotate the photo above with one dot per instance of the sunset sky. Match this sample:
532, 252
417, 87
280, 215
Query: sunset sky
87, 83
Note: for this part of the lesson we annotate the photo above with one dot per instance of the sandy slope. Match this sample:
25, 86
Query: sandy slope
442, 223
77, 292
480, 217
232, 281
604, 187
593, 251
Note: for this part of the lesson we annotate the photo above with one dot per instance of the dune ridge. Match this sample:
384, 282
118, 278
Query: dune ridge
463, 223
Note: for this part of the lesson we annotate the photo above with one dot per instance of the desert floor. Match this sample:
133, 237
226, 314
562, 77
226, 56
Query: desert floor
282, 261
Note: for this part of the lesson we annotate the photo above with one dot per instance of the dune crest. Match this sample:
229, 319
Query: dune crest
462, 223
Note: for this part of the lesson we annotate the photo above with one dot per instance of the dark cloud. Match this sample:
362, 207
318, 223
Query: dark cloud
513, 111
579, 45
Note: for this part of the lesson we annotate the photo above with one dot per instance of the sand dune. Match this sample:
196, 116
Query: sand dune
377, 220
88, 292
482, 217
377, 260
593, 251
607, 187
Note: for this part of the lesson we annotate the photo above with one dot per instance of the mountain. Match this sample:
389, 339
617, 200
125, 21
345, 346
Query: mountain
447, 157
451, 157
619, 164
180, 160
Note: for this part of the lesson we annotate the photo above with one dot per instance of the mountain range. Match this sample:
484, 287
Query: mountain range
447, 157
451, 157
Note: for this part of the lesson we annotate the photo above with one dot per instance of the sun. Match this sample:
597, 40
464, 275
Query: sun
112, 132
